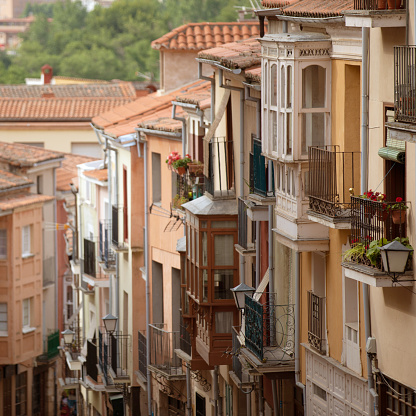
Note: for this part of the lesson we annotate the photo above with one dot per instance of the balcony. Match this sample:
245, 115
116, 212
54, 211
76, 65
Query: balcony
91, 362
373, 224
220, 181
331, 174
316, 322
269, 334
240, 377
245, 245
163, 359
119, 358
259, 177
106, 255
119, 216
92, 274
50, 347
141, 375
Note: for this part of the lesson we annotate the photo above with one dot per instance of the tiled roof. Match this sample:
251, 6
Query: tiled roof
123, 120
24, 155
275, 4
101, 90
67, 173
202, 99
162, 121
253, 74
9, 181
198, 36
243, 54
12, 201
56, 109
98, 174
313, 8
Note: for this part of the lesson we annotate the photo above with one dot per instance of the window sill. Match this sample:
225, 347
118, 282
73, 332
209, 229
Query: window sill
28, 329
27, 255
4, 334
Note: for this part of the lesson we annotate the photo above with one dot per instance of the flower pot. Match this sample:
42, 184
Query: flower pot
181, 170
381, 4
393, 4
398, 216
195, 168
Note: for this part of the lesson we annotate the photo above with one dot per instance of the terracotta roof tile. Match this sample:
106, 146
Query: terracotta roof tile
253, 74
243, 54
153, 110
12, 201
24, 155
9, 181
68, 170
56, 109
312, 8
98, 174
198, 36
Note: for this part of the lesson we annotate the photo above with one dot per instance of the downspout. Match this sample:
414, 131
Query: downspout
117, 300
241, 182
212, 81
216, 390
364, 183
109, 213
183, 121
55, 215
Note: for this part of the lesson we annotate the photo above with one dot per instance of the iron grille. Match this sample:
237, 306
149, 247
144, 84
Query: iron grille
269, 328
260, 174
115, 238
405, 83
142, 354
89, 257
119, 347
316, 321
105, 253
185, 339
91, 362
331, 175
242, 223
237, 367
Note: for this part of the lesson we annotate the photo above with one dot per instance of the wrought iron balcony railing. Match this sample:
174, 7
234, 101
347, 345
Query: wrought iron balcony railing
269, 328
50, 346
372, 221
89, 260
119, 216
242, 223
91, 362
220, 180
105, 254
185, 339
374, 5
331, 174
405, 83
162, 356
119, 353
316, 322
142, 353
259, 176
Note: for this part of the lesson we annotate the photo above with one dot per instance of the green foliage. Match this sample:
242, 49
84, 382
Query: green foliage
106, 43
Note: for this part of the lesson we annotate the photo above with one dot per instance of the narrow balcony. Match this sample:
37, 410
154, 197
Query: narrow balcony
331, 174
103, 357
185, 344
269, 334
259, 177
163, 359
119, 358
240, 377
141, 374
246, 234
50, 346
90, 270
91, 362
374, 224
220, 181
316, 322
118, 230
188, 187
106, 255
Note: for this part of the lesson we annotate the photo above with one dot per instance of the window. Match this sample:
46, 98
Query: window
156, 178
3, 319
21, 394
286, 117
26, 314
26, 241
313, 107
228, 400
223, 322
3, 243
39, 184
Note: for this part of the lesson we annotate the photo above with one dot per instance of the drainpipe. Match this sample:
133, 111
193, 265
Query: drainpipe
188, 390
212, 81
109, 213
216, 391
364, 182
55, 215
241, 181
117, 300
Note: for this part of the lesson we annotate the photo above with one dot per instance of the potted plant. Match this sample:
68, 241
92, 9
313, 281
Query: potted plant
178, 201
178, 163
196, 167
398, 211
375, 197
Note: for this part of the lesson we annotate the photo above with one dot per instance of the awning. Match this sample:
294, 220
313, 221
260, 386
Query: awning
395, 150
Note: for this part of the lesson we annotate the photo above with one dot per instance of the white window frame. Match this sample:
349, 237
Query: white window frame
284, 109
4, 319
27, 241
27, 305
3, 243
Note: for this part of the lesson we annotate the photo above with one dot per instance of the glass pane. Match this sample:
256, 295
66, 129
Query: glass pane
203, 224
313, 130
289, 87
293, 183
204, 286
265, 95
313, 87
289, 133
223, 224
204, 248
223, 322
196, 247
273, 128
223, 282
282, 87
278, 178
224, 250
273, 83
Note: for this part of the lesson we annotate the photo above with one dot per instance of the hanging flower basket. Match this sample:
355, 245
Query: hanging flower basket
398, 216
181, 170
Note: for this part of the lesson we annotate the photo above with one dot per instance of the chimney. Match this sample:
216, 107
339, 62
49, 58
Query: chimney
47, 74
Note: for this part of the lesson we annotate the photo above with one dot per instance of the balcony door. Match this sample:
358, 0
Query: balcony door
200, 405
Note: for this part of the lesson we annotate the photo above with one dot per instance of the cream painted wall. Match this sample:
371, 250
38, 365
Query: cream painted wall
59, 140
